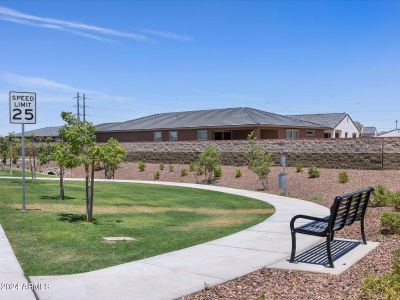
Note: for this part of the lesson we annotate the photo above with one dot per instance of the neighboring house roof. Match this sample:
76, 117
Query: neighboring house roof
105, 126
330, 120
241, 116
369, 131
42, 132
392, 133
359, 126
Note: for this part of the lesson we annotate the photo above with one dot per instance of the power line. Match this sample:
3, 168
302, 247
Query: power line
84, 107
78, 105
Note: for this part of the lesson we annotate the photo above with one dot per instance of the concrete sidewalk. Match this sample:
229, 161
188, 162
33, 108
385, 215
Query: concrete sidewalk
13, 284
175, 274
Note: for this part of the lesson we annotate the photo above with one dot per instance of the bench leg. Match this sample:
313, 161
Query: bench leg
293, 247
328, 251
332, 236
364, 239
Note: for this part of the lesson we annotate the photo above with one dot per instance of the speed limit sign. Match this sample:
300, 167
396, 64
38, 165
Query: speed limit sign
23, 111
22, 108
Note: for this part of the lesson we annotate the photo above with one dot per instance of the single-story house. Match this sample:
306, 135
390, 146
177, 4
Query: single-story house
340, 125
211, 124
369, 131
45, 132
391, 133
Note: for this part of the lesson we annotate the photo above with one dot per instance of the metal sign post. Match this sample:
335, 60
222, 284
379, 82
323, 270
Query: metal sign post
23, 111
282, 176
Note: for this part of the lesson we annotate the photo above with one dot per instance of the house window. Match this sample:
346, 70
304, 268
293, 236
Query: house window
354, 135
222, 135
327, 135
173, 135
202, 135
345, 135
157, 136
310, 132
292, 133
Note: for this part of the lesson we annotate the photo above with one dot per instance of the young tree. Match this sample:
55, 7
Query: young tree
260, 162
81, 139
30, 142
61, 153
13, 150
3, 150
209, 161
112, 154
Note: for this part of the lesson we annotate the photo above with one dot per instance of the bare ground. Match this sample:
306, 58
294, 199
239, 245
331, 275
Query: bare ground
283, 284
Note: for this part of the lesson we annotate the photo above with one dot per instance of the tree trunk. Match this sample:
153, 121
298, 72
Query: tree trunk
30, 164
10, 166
87, 190
90, 188
264, 182
62, 193
34, 167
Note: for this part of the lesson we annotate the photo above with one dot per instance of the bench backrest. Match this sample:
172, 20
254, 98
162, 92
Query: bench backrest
349, 208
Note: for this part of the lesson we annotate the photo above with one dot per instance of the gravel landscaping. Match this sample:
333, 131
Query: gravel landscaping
283, 284
321, 190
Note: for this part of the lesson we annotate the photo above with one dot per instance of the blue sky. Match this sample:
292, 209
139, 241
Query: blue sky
134, 58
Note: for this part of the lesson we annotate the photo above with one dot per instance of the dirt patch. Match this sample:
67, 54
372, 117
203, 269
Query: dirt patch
222, 221
142, 209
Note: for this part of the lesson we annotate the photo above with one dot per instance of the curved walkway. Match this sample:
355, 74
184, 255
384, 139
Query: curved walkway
175, 274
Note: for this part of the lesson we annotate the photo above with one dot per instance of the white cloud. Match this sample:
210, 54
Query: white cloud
169, 35
82, 29
35, 82
51, 90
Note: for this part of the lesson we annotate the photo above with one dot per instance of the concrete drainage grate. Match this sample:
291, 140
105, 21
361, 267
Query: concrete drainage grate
116, 239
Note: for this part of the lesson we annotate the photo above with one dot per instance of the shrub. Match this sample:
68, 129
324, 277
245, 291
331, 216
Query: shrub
299, 167
199, 170
184, 172
318, 197
171, 168
161, 166
313, 172
380, 196
390, 223
141, 166
192, 167
394, 199
260, 162
209, 160
382, 287
218, 172
157, 175
343, 177
238, 173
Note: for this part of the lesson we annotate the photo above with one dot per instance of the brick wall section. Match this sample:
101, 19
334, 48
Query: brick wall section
191, 134
324, 153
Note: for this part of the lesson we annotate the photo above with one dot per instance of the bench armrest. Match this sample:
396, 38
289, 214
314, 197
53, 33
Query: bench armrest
306, 217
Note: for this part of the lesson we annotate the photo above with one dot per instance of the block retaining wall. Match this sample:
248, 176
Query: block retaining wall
371, 153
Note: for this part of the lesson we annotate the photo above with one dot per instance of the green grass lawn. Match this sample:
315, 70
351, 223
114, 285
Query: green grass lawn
51, 237
18, 173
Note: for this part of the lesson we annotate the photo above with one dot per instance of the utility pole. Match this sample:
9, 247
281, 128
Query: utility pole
78, 114
397, 124
84, 107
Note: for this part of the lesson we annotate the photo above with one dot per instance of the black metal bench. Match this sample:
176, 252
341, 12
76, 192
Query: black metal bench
345, 210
